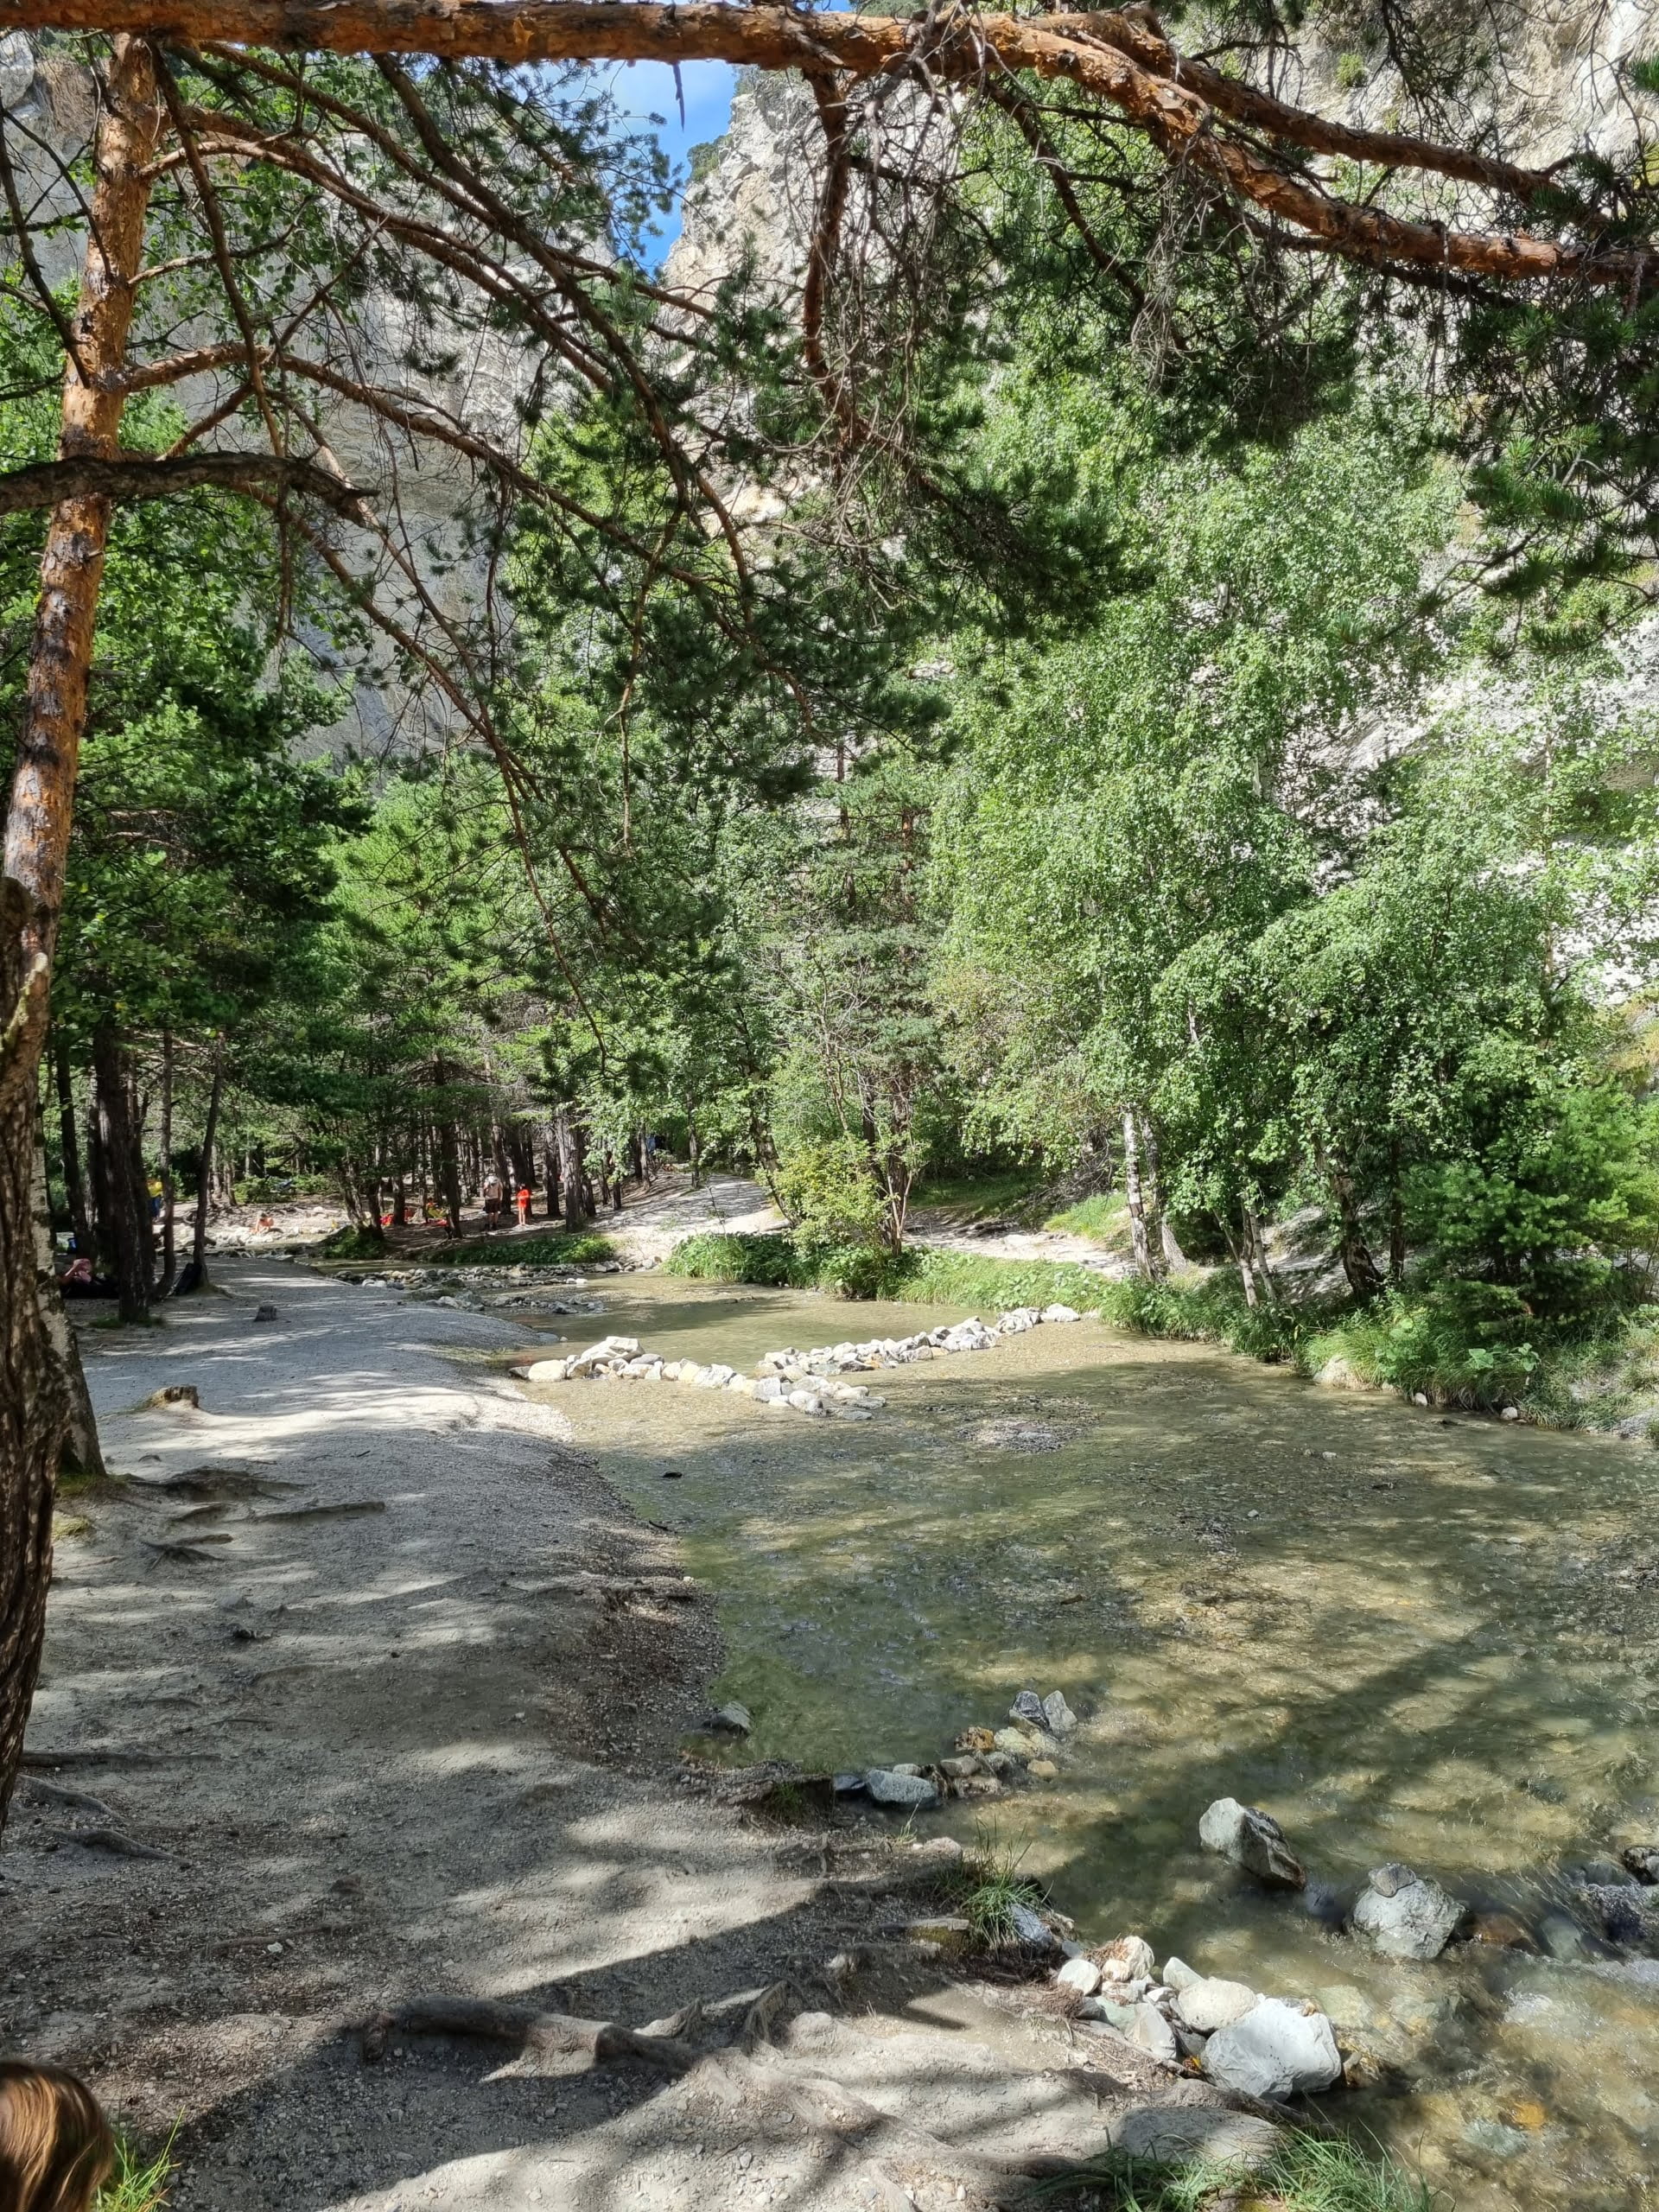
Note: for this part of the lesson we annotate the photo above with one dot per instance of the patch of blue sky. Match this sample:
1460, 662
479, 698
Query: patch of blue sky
646, 90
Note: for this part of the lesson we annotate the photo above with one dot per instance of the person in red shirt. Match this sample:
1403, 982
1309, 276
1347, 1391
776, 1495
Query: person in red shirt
524, 1204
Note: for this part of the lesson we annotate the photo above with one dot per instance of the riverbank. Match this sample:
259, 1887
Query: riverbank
364, 1685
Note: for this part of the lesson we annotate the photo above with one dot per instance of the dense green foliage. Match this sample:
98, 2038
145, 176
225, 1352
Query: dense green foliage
1114, 783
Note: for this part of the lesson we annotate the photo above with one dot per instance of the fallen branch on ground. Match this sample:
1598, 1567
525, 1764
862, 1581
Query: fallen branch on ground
550, 2035
109, 1840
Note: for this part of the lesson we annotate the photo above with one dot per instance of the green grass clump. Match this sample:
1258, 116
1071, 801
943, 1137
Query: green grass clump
136, 2182
963, 1278
1309, 2174
351, 1243
980, 1194
1104, 1219
716, 1256
988, 1884
559, 1248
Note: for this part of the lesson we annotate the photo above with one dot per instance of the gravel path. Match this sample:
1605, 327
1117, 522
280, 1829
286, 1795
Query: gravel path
366, 1744
330, 1721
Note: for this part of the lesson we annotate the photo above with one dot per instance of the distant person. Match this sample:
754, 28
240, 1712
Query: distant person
523, 1204
157, 1195
493, 1199
55, 2145
265, 1223
78, 1281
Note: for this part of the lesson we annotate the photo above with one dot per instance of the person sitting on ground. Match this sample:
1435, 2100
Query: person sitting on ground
78, 1281
55, 2145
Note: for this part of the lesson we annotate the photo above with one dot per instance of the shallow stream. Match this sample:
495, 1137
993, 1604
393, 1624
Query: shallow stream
1407, 1637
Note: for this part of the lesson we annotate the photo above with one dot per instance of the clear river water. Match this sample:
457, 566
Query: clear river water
1408, 1637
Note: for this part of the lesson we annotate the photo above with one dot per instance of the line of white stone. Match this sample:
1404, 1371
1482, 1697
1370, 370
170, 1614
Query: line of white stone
797, 1381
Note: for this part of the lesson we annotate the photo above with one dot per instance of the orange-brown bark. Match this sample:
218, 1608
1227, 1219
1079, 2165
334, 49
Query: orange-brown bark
1121, 58
35, 1382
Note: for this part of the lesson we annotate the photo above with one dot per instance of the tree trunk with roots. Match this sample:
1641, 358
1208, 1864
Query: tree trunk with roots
38, 1393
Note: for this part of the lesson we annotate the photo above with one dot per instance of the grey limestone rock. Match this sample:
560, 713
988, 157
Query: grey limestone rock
1209, 2003
888, 1787
1407, 1914
1173, 2134
1252, 1839
1276, 2050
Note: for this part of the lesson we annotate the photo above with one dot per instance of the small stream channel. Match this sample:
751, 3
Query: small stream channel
1407, 1636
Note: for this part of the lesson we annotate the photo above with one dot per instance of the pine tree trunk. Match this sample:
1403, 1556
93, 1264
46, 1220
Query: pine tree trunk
36, 1393
205, 1170
126, 1222
170, 1267
577, 1210
74, 1175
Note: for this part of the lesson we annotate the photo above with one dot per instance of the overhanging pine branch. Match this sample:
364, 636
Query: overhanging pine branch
135, 476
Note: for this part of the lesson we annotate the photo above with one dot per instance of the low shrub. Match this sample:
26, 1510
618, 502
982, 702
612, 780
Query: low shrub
573, 1248
349, 1243
714, 1256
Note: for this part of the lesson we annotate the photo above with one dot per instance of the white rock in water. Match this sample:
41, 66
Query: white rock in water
1252, 1839
1081, 1975
888, 1787
1407, 1914
1276, 2050
1179, 1975
1209, 2003
1061, 1313
547, 1370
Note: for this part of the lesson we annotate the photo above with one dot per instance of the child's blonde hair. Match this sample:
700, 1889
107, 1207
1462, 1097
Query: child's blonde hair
55, 2145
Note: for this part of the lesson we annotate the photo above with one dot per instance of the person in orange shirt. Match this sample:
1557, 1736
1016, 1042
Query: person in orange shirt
523, 1202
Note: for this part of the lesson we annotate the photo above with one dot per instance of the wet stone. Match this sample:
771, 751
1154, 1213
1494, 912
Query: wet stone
1253, 1839
1407, 1914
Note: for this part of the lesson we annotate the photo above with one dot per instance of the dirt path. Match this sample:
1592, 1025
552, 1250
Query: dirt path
387, 1751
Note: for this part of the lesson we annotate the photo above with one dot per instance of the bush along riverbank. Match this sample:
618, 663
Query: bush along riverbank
1464, 1343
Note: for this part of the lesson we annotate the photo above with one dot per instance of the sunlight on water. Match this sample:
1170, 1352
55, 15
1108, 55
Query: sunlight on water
1406, 1637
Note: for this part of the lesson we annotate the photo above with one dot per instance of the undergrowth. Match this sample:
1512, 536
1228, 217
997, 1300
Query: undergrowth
988, 1884
1308, 2174
136, 2182
350, 1243
567, 1247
